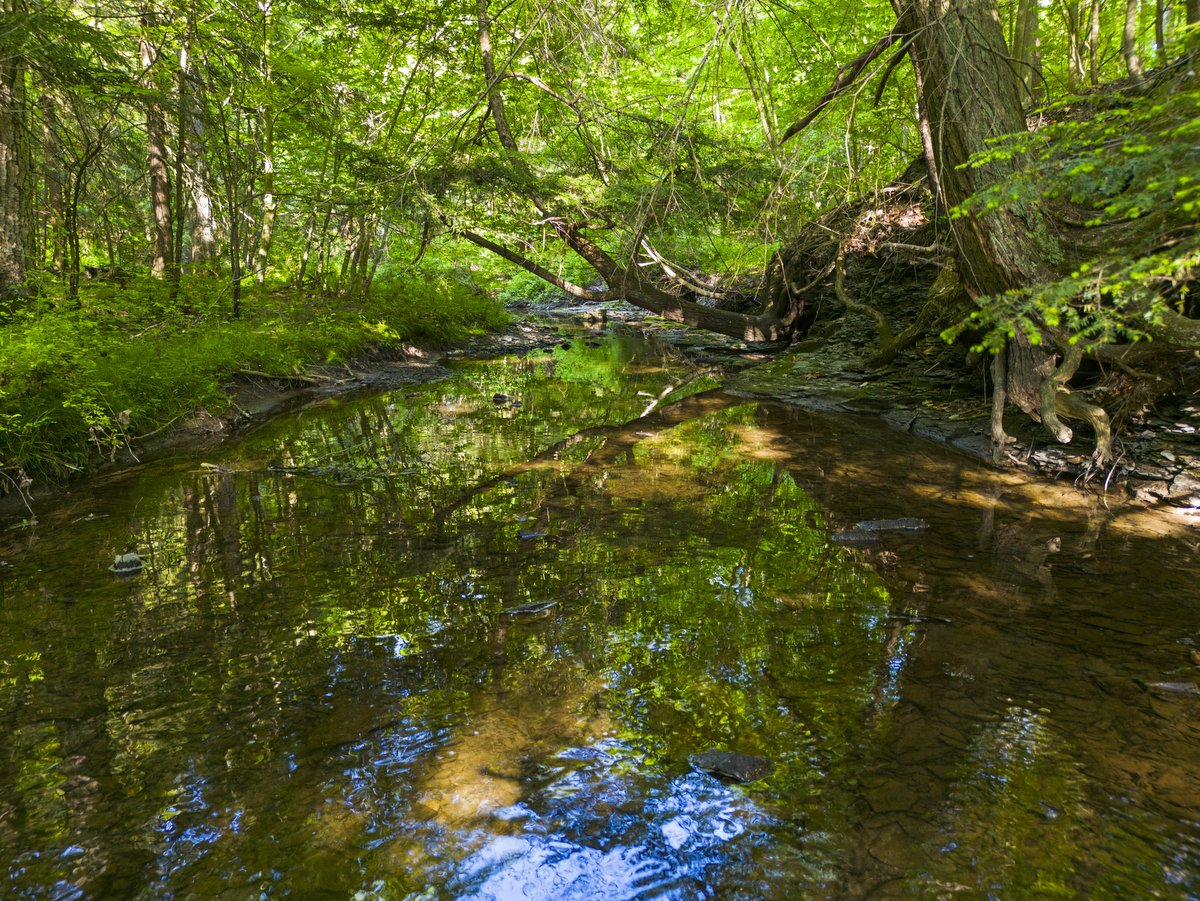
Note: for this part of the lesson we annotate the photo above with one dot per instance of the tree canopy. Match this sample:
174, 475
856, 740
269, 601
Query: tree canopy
663, 152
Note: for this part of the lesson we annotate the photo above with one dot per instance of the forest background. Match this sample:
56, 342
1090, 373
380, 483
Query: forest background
192, 189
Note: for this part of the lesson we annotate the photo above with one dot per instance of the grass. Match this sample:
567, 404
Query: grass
77, 382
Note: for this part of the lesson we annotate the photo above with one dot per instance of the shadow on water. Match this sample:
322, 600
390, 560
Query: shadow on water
337, 672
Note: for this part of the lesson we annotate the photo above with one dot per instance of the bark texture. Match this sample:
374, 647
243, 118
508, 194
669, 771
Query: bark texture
14, 172
160, 177
970, 95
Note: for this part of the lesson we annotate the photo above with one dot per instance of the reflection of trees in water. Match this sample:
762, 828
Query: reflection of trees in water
310, 639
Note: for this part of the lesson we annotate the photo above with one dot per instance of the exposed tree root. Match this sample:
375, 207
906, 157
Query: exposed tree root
1057, 399
1000, 438
839, 289
945, 296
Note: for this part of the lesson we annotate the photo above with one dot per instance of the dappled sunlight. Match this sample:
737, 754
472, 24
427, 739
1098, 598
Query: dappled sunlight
500, 747
425, 640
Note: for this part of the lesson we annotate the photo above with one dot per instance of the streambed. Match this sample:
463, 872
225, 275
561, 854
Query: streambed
324, 680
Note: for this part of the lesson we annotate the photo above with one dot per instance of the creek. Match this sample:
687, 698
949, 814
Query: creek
336, 673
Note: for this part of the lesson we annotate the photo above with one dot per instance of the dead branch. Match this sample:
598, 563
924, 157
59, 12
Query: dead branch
935, 248
540, 271
847, 76
676, 274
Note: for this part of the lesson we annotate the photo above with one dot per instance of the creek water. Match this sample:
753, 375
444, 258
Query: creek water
324, 681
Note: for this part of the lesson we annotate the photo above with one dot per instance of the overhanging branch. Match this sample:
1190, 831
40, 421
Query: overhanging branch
848, 75
540, 271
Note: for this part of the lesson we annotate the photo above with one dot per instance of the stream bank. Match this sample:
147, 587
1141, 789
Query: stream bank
924, 392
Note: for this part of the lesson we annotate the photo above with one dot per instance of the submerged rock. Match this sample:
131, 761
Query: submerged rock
855, 537
731, 765
126, 565
534, 610
903, 524
1176, 688
531, 536
919, 618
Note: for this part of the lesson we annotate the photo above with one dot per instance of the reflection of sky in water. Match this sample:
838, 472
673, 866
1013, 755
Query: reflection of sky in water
614, 828
317, 685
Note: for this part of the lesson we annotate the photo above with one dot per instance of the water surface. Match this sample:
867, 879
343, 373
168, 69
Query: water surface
318, 685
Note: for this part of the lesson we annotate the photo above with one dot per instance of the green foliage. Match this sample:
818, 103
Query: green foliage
1128, 166
74, 382
526, 288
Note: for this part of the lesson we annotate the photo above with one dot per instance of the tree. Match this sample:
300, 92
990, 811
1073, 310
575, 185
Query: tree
14, 167
156, 150
1129, 48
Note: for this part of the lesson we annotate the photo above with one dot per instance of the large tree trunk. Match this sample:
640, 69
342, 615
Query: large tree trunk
160, 178
14, 171
972, 95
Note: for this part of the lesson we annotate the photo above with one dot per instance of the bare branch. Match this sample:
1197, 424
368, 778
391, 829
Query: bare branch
540, 271
848, 75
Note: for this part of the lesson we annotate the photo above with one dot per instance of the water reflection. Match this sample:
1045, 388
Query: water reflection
318, 684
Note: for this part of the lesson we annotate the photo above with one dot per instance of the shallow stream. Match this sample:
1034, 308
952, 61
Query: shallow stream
325, 681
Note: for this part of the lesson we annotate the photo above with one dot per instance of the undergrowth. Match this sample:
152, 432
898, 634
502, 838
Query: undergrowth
131, 361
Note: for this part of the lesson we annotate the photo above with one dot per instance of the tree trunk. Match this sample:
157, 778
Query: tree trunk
1028, 47
203, 222
1075, 65
181, 150
495, 100
160, 178
56, 243
14, 171
1093, 44
268, 153
971, 95
1193, 11
1129, 48
1160, 32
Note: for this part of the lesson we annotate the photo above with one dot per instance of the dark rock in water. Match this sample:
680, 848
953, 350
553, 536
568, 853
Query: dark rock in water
904, 524
920, 618
530, 536
731, 765
1176, 688
500, 399
855, 537
534, 610
126, 565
